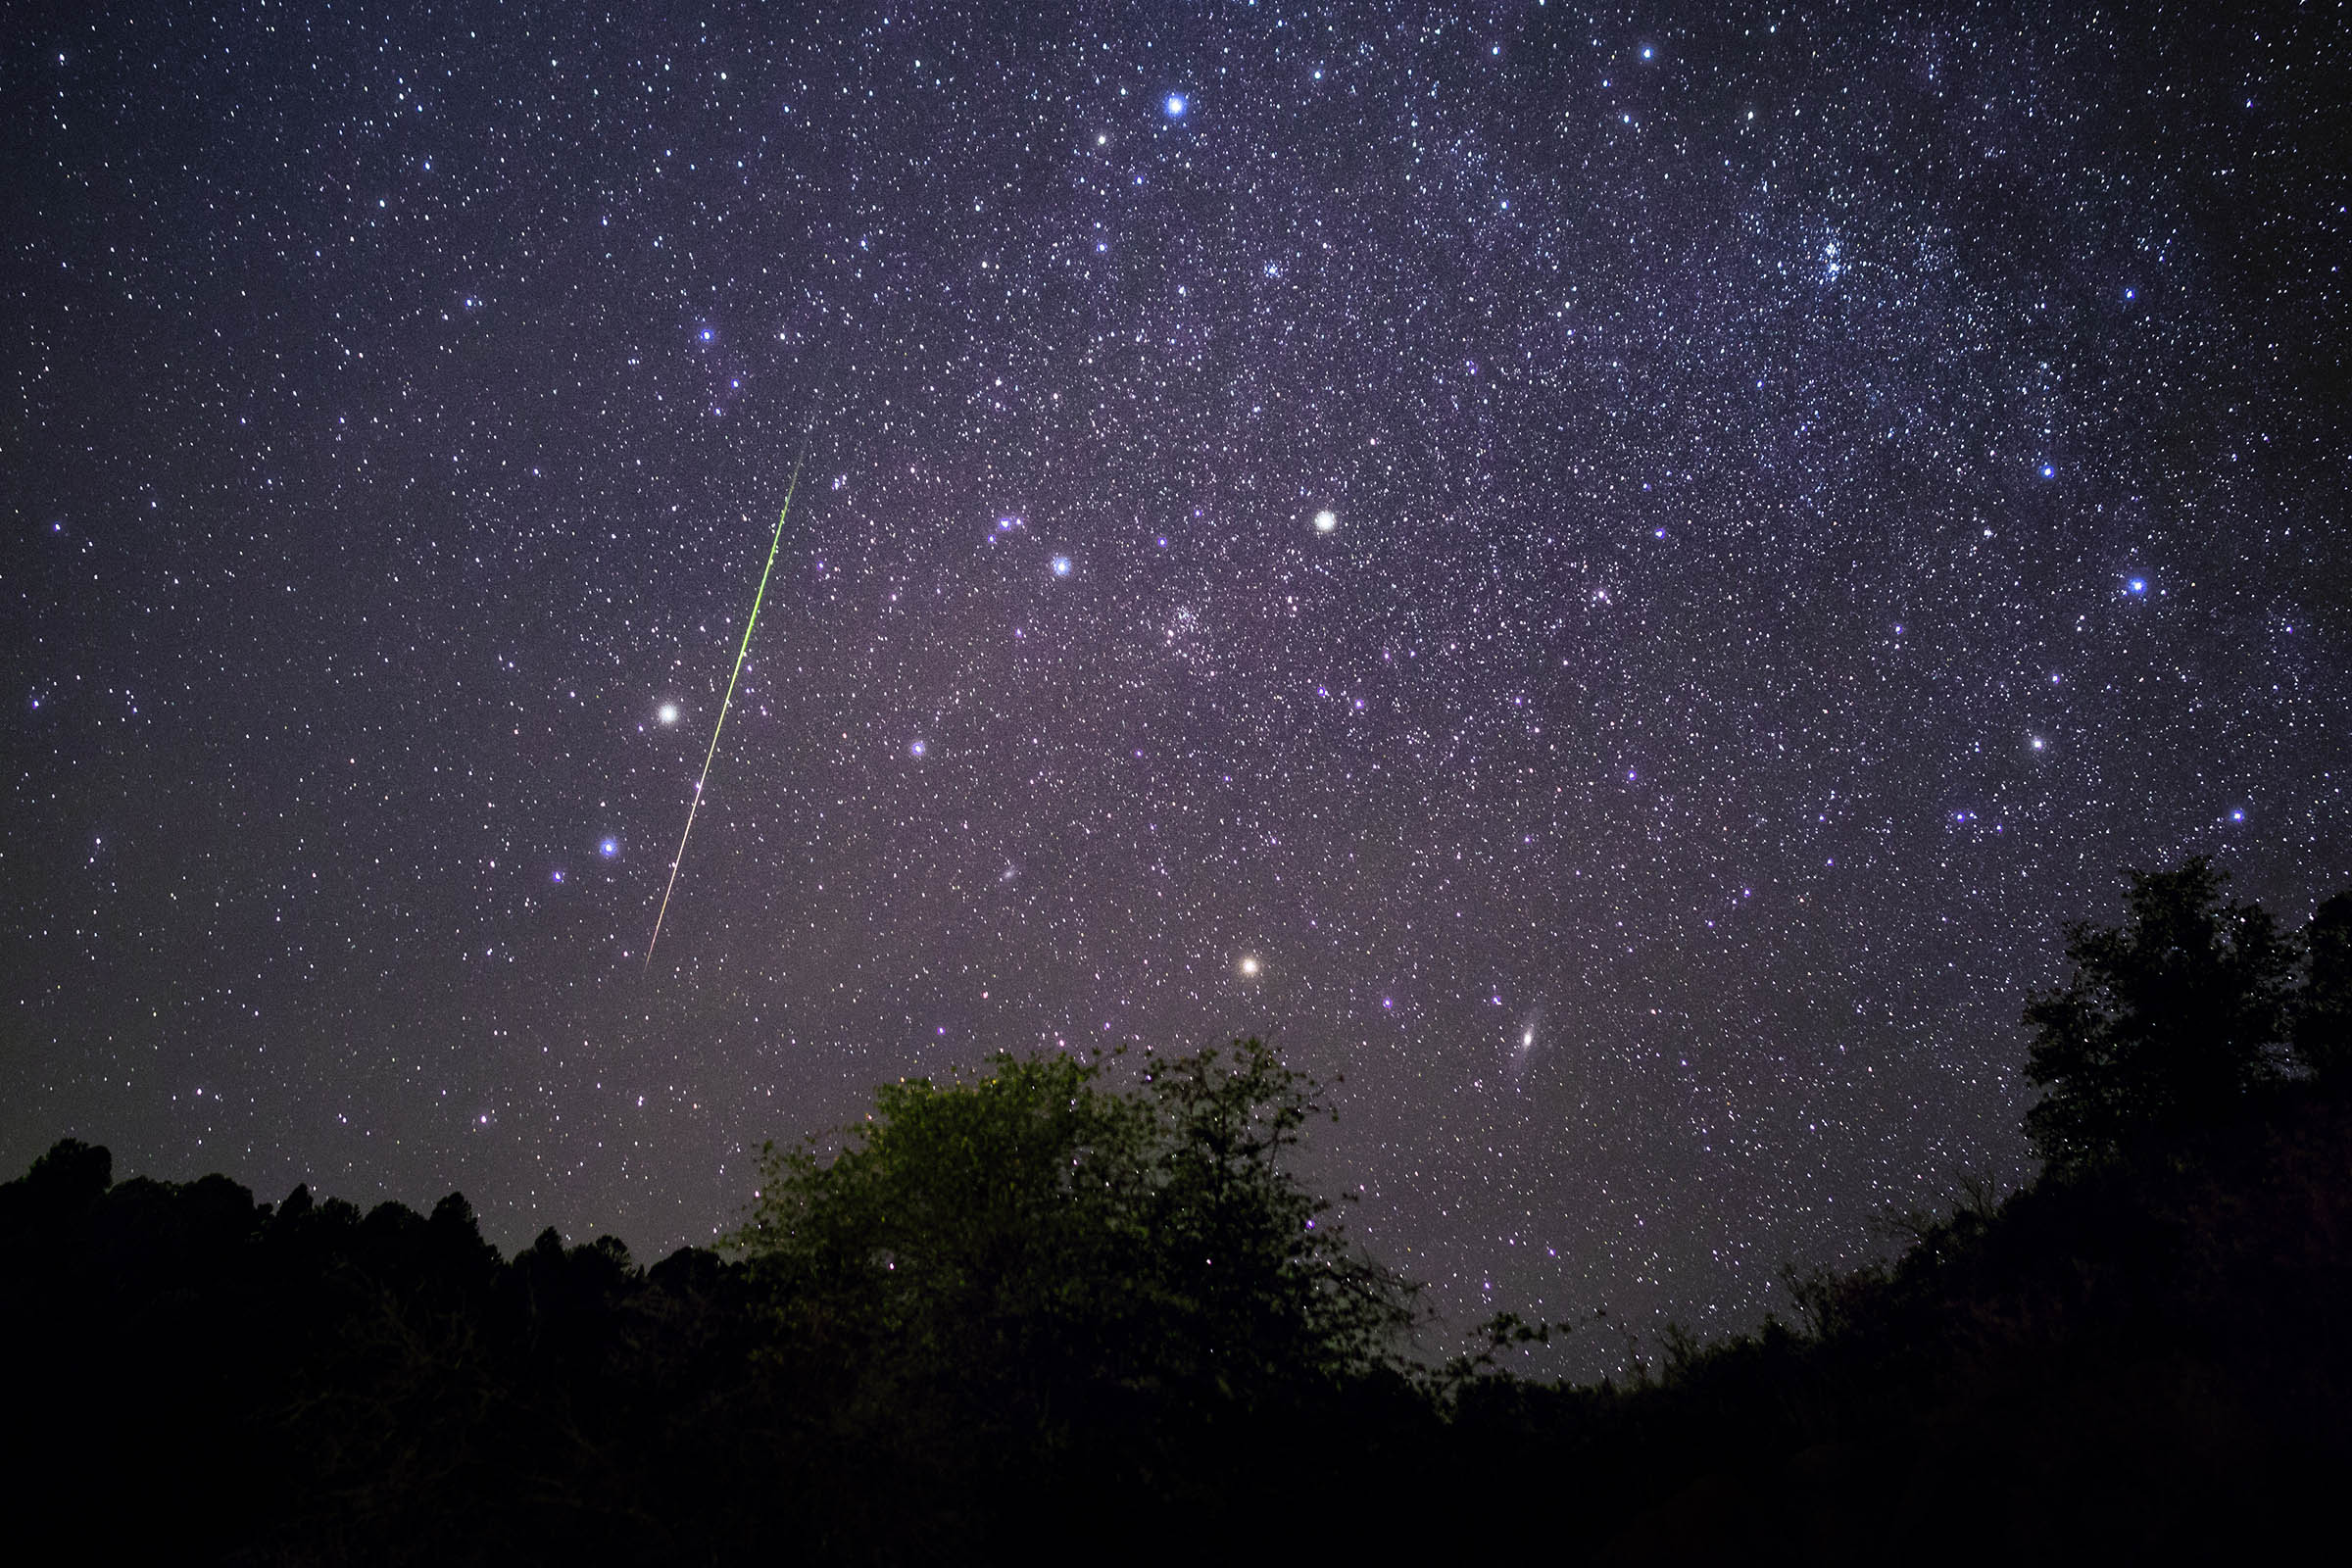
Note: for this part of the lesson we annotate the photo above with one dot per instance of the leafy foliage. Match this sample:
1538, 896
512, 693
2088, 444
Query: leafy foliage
1043, 1252
2171, 1019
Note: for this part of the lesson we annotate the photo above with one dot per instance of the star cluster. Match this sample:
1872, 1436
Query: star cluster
1605, 578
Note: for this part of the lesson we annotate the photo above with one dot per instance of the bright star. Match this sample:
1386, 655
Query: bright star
668, 713
608, 848
914, 748
1061, 566
1249, 968
1326, 520
1176, 106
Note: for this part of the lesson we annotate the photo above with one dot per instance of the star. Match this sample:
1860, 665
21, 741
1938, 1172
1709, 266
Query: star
1407, 758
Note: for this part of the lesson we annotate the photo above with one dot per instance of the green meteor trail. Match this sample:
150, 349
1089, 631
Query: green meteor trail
696, 805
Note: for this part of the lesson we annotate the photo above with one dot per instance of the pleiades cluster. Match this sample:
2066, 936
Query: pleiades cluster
1606, 579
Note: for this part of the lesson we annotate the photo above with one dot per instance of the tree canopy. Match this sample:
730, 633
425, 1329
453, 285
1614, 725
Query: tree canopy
1040, 1246
2170, 1020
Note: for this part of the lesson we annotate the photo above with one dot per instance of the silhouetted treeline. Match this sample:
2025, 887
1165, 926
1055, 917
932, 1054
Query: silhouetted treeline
1076, 1306
2145, 1354
1020, 1312
2143, 1364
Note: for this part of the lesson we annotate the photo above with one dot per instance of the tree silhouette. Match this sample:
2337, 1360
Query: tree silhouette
58, 1188
2171, 1019
1045, 1255
2322, 1030
1084, 1304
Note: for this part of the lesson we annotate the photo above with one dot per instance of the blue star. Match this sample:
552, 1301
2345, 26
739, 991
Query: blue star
609, 849
2135, 585
914, 748
1061, 566
1176, 106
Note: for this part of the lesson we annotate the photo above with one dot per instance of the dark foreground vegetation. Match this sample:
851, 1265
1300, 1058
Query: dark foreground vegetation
1077, 1308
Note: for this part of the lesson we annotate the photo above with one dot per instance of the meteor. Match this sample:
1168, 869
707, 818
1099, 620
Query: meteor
758, 598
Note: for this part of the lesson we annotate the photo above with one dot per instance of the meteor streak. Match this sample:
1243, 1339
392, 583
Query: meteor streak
696, 805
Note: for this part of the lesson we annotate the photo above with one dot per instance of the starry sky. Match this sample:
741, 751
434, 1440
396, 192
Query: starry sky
1604, 578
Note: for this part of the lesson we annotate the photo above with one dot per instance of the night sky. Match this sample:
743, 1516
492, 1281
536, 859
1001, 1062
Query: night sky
1608, 576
